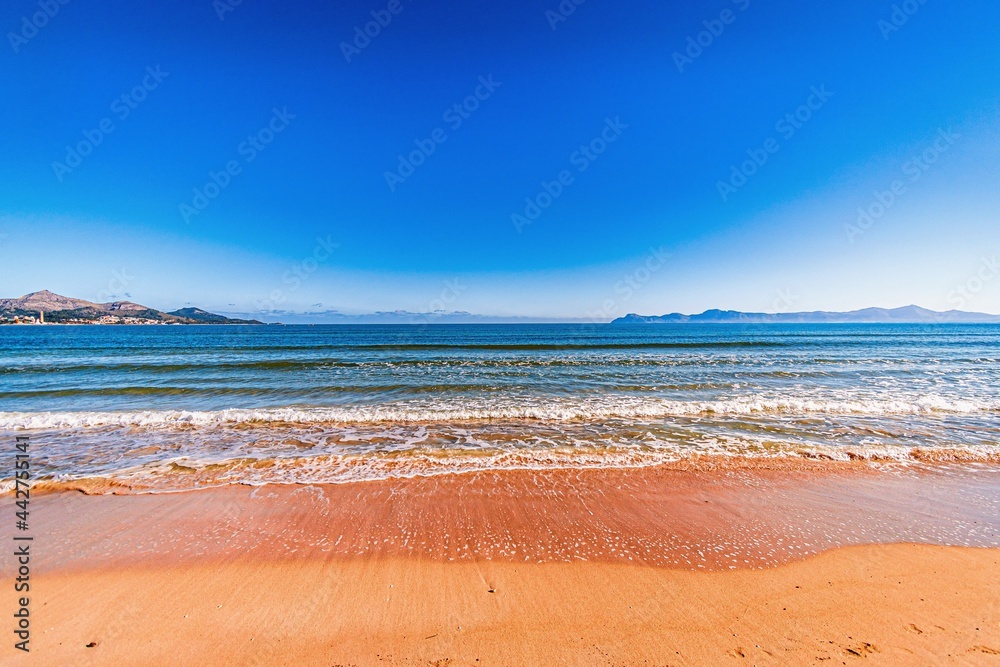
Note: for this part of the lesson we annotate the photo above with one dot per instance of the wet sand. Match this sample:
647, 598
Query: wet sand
761, 565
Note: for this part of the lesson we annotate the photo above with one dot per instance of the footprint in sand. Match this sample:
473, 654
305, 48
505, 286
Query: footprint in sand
861, 649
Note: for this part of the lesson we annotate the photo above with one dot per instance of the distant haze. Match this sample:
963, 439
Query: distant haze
50, 302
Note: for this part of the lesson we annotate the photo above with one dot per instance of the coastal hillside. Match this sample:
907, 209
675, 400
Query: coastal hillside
57, 309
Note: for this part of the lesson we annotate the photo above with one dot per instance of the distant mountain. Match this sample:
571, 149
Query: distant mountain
60, 309
394, 317
906, 314
199, 316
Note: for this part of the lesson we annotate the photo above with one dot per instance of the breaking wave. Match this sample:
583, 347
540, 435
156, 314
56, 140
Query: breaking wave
551, 411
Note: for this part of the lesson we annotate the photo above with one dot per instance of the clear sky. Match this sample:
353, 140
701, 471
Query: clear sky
603, 158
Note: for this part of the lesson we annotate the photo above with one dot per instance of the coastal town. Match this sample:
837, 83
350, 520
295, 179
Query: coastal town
22, 319
103, 319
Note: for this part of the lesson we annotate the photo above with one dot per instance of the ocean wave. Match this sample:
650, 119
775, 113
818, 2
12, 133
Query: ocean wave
553, 410
196, 362
185, 473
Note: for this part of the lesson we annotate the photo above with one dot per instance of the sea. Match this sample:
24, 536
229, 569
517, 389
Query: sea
166, 408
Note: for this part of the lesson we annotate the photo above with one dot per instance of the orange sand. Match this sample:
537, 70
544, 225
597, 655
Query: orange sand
574, 568
898, 605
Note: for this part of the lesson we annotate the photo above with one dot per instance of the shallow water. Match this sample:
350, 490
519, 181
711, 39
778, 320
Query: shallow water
176, 406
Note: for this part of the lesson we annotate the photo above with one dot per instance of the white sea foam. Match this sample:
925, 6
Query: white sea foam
180, 473
552, 411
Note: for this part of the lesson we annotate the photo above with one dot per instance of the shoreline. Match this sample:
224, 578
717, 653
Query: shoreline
181, 477
687, 517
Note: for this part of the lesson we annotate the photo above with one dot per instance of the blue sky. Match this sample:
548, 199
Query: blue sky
253, 160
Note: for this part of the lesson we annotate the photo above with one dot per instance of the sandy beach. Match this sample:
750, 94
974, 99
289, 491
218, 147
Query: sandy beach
524, 334
756, 565
899, 604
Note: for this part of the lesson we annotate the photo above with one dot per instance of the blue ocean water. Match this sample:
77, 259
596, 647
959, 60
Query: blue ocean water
175, 406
